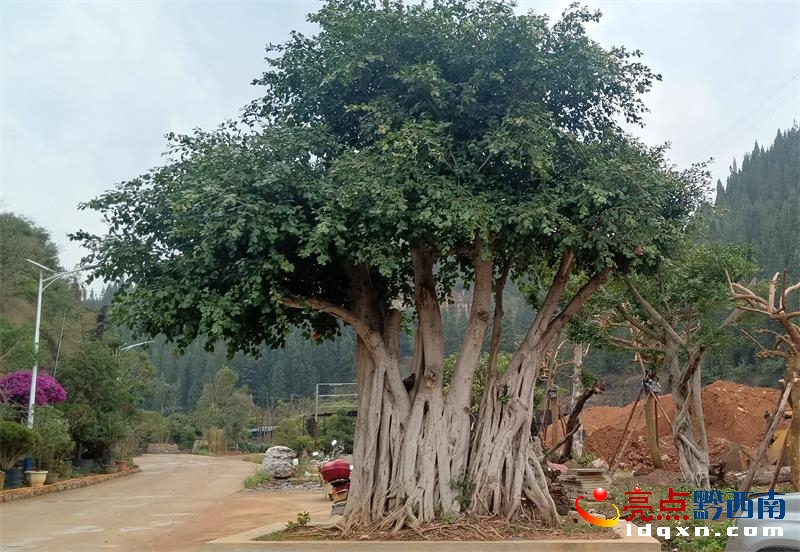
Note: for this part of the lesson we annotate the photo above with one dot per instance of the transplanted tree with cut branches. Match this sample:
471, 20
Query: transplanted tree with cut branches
399, 149
673, 318
777, 307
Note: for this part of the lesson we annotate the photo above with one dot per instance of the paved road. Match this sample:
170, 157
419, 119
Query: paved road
177, 502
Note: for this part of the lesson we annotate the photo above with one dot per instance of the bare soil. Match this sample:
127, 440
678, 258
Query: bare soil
461, 529
734, 414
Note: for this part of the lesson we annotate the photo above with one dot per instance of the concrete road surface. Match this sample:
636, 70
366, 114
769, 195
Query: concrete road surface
177, 502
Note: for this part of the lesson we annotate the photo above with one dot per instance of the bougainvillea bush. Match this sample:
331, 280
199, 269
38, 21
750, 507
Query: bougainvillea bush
16, 387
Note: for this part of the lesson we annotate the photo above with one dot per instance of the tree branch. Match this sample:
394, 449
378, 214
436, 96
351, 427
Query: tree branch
637, 323
654, 313
321, 305
497, 319
550, 303
575, 304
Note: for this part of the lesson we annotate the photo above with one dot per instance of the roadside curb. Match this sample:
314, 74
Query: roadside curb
8, 495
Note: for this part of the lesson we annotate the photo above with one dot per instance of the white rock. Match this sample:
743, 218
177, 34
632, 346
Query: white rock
277, 462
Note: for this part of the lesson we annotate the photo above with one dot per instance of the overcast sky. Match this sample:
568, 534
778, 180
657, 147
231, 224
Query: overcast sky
89, 89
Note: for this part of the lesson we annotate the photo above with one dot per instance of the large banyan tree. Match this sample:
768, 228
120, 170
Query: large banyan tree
397, 151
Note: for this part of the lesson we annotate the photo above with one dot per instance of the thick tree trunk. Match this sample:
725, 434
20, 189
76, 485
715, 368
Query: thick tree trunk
793, 436
411, 446
412, 453
698, 415
651, 430
573, 447
459, 394
692, 456
503, 466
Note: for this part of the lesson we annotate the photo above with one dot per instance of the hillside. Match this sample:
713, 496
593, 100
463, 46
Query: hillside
760, 203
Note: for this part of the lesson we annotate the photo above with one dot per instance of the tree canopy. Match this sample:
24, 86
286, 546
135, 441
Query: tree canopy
395, 127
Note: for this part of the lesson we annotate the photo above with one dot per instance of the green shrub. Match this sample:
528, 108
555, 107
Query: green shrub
289, 433
303, 443
256, 479
183, 431
340, 427
16, 441
585, 459
303, 519
54, 440
154, 427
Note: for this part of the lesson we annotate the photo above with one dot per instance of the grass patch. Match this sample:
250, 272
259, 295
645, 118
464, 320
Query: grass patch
255, 480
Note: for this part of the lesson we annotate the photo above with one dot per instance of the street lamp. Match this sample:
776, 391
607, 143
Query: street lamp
129, 347
44, 283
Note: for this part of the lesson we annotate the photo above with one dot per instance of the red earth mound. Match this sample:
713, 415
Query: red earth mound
734, 413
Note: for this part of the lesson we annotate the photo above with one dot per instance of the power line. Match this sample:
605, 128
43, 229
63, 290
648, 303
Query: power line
760, 107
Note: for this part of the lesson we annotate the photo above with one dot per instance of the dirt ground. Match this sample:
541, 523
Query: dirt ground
177, 503
734, 413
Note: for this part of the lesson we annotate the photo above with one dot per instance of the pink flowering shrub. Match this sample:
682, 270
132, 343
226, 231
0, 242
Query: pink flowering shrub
16, 387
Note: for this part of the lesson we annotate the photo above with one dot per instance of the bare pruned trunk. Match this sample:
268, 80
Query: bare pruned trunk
651, 430
793, 435
693, 457
573, 447
574, 421
777, 307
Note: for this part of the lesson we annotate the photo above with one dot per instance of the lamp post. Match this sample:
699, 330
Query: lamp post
129, 347
44, 283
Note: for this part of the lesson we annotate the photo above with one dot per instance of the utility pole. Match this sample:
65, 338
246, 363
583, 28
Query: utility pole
44, 283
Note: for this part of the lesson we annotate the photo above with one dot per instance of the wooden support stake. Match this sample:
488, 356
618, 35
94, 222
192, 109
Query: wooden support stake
779, 464
624, 431
776, 419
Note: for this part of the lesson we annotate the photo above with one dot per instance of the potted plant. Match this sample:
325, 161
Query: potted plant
125, 447
55, 442
36, 478
58, 469
16, 441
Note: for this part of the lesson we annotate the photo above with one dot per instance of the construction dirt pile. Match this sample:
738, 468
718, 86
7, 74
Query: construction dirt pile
735, 415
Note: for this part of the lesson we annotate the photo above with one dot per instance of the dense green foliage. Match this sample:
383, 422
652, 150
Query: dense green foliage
20, 239
55, 442
291, 432
105, 386
760, 204
402, 138
338, 427
16, 441
227, 407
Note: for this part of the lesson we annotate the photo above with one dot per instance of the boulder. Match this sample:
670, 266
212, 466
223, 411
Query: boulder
277, 462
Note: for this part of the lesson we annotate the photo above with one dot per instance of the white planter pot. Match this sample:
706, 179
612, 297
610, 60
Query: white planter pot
36, 477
